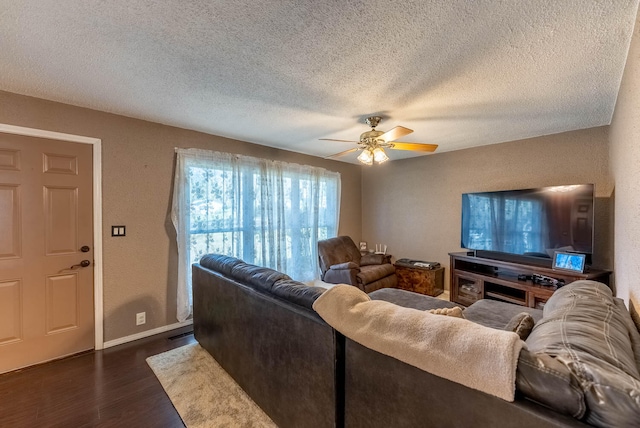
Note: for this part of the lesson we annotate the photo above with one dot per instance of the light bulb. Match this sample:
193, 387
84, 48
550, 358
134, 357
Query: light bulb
379, 155
366, 157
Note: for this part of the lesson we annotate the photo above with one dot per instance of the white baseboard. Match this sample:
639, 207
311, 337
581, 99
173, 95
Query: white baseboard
147, 333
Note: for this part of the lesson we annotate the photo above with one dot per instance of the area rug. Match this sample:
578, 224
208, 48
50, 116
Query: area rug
202, 392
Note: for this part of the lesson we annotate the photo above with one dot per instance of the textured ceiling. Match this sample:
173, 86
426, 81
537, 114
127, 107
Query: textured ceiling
459, 73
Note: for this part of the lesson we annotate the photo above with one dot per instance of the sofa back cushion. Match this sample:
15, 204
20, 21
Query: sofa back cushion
584, 329
588, 322
263, 279
297, 292
260, 278
220, 263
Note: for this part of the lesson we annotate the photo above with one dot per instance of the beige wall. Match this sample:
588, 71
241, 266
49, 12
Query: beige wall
414, 205
625, 168
411, 205
138, 161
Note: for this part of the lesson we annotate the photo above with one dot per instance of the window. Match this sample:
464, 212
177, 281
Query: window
265, 212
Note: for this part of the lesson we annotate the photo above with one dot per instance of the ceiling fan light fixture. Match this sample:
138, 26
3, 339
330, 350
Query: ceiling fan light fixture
379, 155
366, 157
372, 143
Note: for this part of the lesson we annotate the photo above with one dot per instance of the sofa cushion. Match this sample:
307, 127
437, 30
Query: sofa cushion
585, 329
220, 263
409, 299
259, 277
495, 314
296, 292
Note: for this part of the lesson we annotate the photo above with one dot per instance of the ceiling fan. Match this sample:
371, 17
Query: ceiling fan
372, 143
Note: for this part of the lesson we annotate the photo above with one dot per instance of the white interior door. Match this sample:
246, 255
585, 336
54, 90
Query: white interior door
46, 250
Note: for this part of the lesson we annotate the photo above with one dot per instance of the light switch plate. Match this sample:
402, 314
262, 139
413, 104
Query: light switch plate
141, 318
118, 231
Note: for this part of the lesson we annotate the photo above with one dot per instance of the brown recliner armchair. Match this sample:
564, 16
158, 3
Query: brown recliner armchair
342, 263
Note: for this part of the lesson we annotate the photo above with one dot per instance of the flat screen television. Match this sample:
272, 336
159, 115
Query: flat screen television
529, 223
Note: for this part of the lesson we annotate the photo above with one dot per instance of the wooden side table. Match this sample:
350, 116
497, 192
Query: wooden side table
420, 280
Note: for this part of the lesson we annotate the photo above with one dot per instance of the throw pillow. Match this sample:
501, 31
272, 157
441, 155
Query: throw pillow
522, 324
450, 312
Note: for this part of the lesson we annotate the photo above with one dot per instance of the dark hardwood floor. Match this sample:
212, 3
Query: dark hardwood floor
110, 388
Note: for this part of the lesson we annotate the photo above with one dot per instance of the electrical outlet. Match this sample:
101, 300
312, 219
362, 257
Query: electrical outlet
141, 318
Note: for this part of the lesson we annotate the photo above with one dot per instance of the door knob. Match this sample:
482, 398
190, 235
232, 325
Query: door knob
85, 249
83, 263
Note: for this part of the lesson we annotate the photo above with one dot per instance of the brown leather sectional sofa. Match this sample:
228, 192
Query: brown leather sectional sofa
260, 326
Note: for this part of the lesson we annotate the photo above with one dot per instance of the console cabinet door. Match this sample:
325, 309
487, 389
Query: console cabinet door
466, 289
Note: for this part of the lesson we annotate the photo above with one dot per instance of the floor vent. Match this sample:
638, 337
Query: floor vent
179, 336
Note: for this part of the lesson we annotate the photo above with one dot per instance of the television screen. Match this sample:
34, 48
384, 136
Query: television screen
530, 222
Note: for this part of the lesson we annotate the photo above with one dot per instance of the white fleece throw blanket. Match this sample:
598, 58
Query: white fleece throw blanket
456, 349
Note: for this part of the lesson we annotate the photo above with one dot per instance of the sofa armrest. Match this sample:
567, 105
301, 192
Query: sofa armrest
342, 275
343, 266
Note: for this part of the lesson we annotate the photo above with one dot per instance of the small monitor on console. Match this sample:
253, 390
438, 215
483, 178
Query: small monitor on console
572, 262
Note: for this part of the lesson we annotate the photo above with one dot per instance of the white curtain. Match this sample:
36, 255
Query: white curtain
265, 212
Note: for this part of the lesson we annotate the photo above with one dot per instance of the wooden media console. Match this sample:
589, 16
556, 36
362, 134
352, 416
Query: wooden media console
474, 278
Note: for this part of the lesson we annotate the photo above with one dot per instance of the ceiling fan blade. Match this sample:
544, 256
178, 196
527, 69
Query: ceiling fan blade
342, 141
395, 133
415, 147
355, 149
